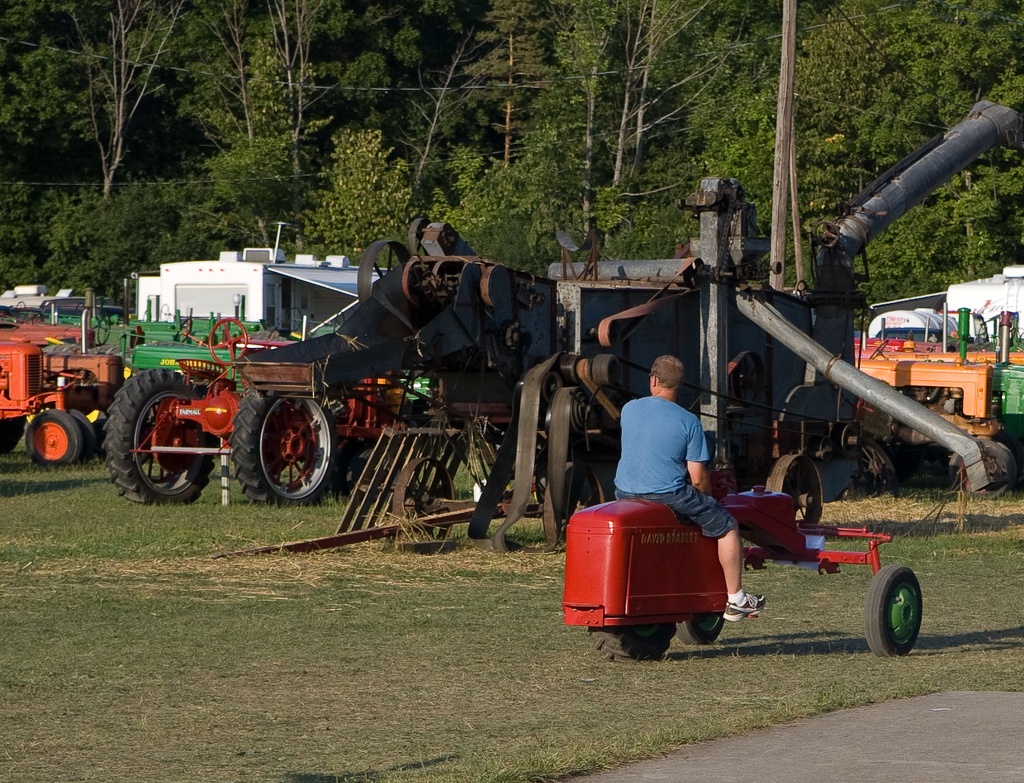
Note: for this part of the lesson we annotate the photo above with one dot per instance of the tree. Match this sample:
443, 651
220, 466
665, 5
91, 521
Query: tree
295, 24
516, 36
908, 76
651, 94
366, 197
95, 241
441, 103
121, 70
584, 35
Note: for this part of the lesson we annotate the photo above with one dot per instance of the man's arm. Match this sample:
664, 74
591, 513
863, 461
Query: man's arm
699, 476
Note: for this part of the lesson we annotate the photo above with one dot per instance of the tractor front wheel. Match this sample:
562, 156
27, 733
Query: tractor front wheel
11, 431
140, 420
283, 450
892, 611
634, 642
53, 438
702, 629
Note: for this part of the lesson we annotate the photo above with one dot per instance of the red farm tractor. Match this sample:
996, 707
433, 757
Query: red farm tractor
635, 576
56, 391
165, 428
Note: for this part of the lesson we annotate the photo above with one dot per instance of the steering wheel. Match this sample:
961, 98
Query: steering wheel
228, 333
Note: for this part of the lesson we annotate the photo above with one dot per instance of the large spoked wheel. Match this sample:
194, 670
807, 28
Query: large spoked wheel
283, 450
53, 438
746, 377
797, 476
892, 611
140, 419
423, 487
634, 642
702, 629
11, 431
875, 473
415, 234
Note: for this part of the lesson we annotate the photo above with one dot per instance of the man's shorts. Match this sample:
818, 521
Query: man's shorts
692, 504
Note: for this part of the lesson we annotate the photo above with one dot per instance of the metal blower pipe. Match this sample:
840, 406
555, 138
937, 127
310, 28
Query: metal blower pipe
876, 392
986, 125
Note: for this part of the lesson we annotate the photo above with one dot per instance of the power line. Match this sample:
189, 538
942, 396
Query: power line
535, 84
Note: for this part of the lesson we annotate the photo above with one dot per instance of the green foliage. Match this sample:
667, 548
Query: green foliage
874, 81
366, 197
95, 242
251, 187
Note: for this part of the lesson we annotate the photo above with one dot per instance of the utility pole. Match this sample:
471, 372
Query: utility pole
783, 147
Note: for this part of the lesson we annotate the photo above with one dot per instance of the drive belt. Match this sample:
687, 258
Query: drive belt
518, 450
561, 475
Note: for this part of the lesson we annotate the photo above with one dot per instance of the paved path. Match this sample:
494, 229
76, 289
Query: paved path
953, 737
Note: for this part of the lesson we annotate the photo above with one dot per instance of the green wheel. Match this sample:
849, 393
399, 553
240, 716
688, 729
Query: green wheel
892, 611
634, 642
702, 629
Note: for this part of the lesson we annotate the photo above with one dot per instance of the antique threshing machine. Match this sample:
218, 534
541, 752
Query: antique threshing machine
538, 368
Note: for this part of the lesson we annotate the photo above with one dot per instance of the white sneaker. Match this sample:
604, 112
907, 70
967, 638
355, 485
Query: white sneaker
750, 606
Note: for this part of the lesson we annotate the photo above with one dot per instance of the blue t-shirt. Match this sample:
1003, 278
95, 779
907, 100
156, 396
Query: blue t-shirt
658, 439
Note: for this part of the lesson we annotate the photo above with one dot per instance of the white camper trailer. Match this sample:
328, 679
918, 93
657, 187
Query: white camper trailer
255, 286
919, 325
36, 296
989, 297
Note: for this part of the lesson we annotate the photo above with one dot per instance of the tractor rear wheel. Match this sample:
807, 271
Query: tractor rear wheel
351, 460
892, 611
89, 444
634, 642
1004, 457
702, 629
99, 431
284, 450
53, 438
11, 431
141, 418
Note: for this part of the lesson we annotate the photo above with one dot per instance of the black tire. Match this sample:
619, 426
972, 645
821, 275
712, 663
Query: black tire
100, 431
892, 611
284, 450
1016, 449
907, 463
958, 475
53, 439
634, 642
11, 431
89, 445
701, 630
134, 421
352, 457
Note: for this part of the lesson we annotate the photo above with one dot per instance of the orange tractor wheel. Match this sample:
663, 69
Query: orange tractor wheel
54, 438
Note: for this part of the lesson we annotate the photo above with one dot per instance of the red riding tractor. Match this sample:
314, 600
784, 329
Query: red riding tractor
634, 572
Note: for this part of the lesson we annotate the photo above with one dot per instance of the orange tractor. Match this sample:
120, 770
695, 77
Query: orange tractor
56, 391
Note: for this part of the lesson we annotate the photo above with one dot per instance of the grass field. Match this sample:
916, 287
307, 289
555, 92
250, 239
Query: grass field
128, 654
